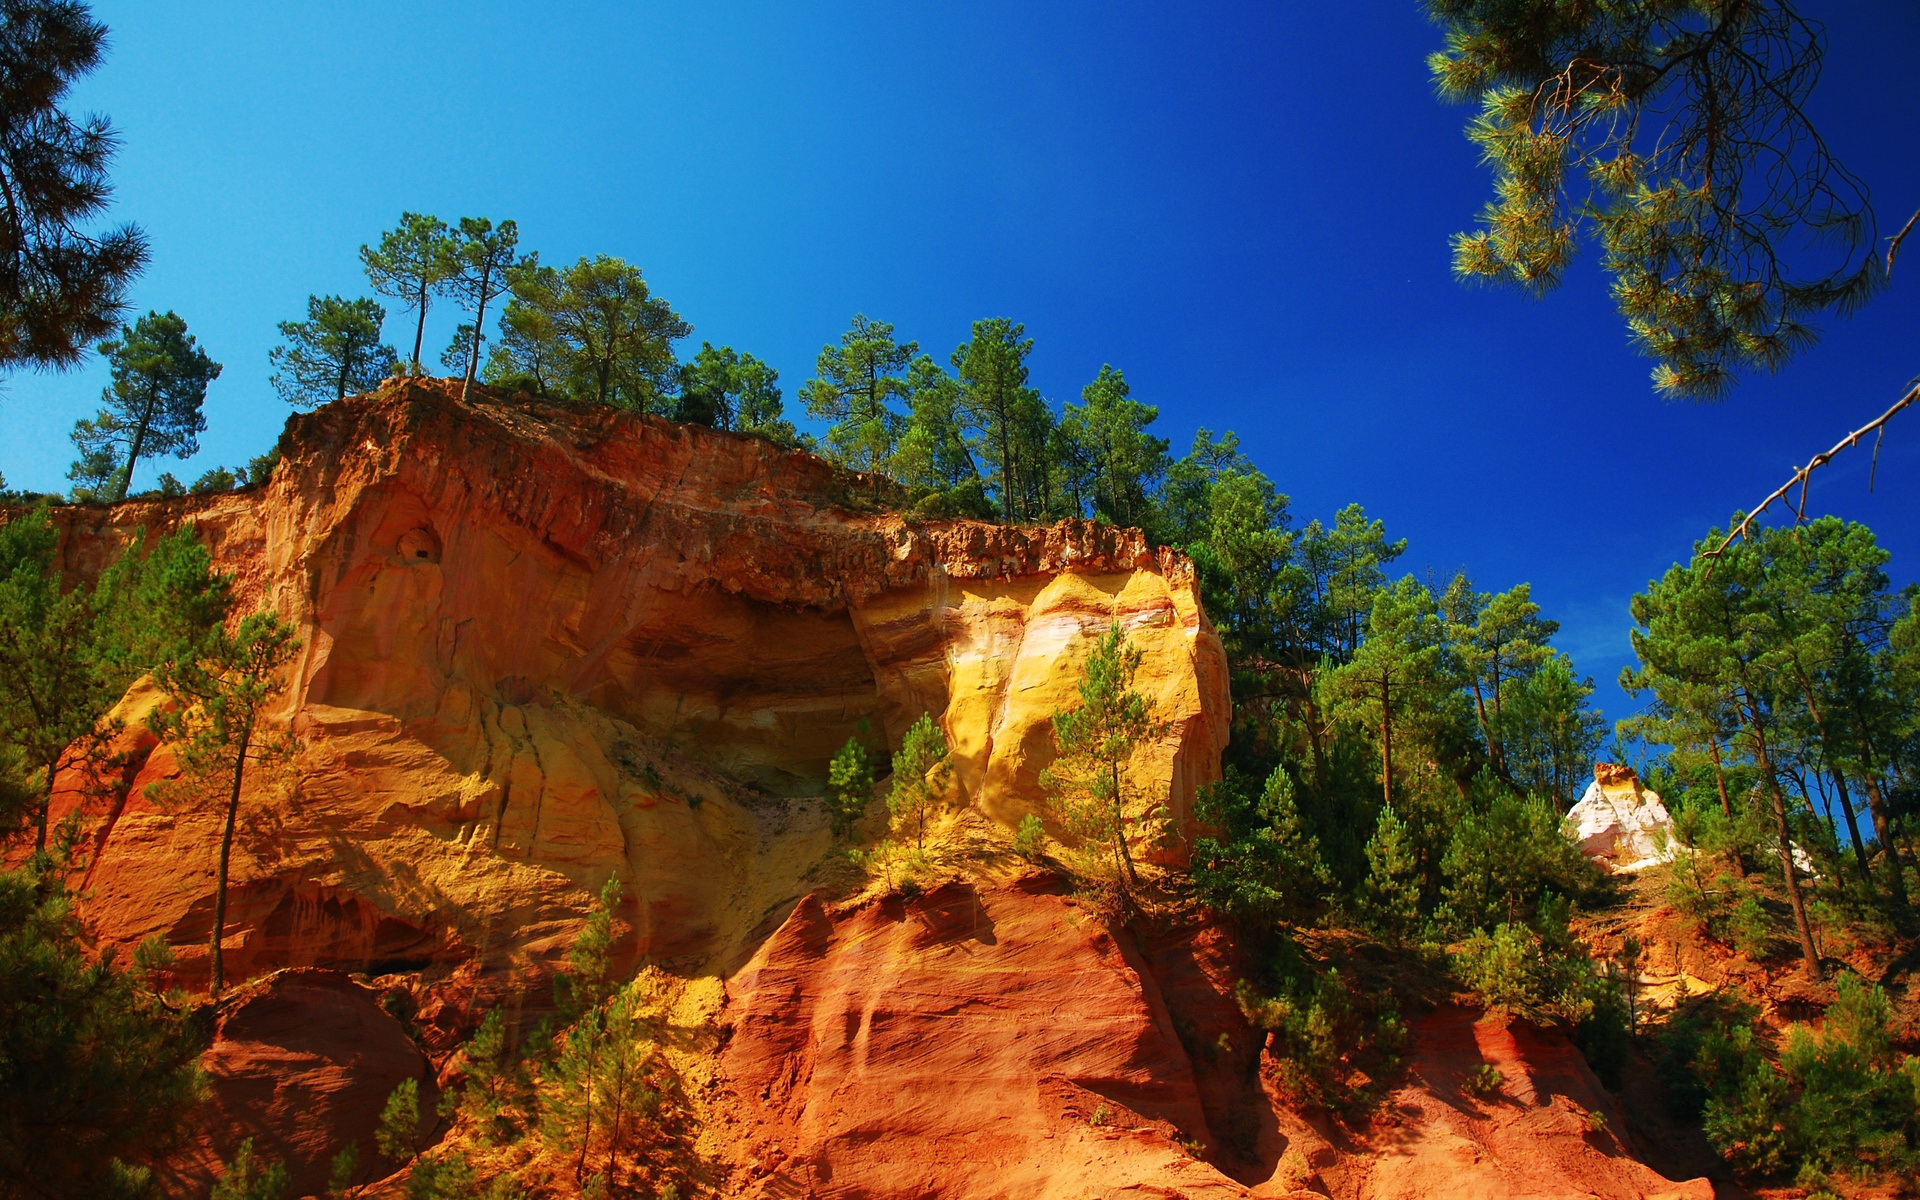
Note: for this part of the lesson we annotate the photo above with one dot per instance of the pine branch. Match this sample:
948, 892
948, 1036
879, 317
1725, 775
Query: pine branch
1803, 476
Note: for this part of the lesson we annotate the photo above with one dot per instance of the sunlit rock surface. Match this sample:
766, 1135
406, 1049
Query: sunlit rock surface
1620, 825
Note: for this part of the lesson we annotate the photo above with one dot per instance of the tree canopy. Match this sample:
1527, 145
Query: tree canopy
61, 285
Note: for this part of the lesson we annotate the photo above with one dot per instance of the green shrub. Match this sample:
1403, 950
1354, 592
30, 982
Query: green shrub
1841, 1098
1030, 839
1542, 974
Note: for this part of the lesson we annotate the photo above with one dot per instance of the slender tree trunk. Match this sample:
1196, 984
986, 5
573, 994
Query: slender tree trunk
226, 858
420, 328
46, 810
1120, 829
479, 320
1883, 833
1315, 743
1785, 838
139, 440
1386, 740
1726, 805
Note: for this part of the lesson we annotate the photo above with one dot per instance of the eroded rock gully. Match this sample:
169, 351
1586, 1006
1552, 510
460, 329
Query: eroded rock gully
545, 648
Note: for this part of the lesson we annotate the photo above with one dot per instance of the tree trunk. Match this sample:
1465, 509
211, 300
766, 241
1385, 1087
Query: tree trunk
1785, 837
218, 978
1120, 829
479, 320
139, 440
1883, 833
1726, 806
1386, 740
46, 810
420, 329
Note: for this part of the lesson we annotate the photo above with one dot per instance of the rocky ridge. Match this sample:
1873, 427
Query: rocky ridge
543, 648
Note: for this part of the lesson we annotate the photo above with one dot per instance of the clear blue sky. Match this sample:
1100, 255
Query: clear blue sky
1245, 207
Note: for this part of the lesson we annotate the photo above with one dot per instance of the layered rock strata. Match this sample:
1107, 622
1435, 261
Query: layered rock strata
542, 648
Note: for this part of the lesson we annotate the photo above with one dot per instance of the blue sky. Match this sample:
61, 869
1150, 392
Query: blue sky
1245, 207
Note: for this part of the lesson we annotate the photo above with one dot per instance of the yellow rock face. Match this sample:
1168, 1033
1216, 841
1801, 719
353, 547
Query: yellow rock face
542, 649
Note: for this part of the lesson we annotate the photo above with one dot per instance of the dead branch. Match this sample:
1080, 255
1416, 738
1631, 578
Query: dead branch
1893, 243
1804, 475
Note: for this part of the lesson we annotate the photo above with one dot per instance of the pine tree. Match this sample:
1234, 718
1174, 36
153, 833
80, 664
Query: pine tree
1089, 782
1501, 639
335, 352
1679, 136
726, 389
1705, 622
67, 655
933, 454
397, 1136
850, 780
1001, 409
482, 254
1398, 675
920, 773
250, 1178
588, 979
225, 687
53, 683
854, 388
1390, 897
1125, 463
414, 262
159, 381
606, 339
60, 286
99, 1072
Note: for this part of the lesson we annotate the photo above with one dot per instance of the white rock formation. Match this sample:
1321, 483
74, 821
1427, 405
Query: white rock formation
1620, 825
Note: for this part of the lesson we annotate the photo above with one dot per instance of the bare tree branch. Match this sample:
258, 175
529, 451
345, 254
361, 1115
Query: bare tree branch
1893, 243
1803, 476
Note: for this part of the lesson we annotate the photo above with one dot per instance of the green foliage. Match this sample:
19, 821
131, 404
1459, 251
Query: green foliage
398, 1133
1265, 865
1500, 859
1395, 680
592, 333
61, 285
1483, 1082
99, 1072
1120, 463
729, 390
920, 773
1539, 971
607, 1089
1319, 1037
1030, 839
151, 405
589, 977
1010, 419
850, 779
1840, 1099
854, 389
343, 1173
483, 254
66, 657
1677, 135
224, 683
1389, 901
335, 352
413, 262
1087, 783
250, 1178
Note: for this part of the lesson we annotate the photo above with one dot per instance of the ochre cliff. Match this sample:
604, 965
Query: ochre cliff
545, 648
542, 648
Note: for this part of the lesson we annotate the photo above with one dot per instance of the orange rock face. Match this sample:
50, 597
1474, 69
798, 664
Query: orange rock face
543, 648
966, 1043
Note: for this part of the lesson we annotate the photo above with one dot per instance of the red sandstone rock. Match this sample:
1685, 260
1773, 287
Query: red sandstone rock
543, 647
302, 1062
